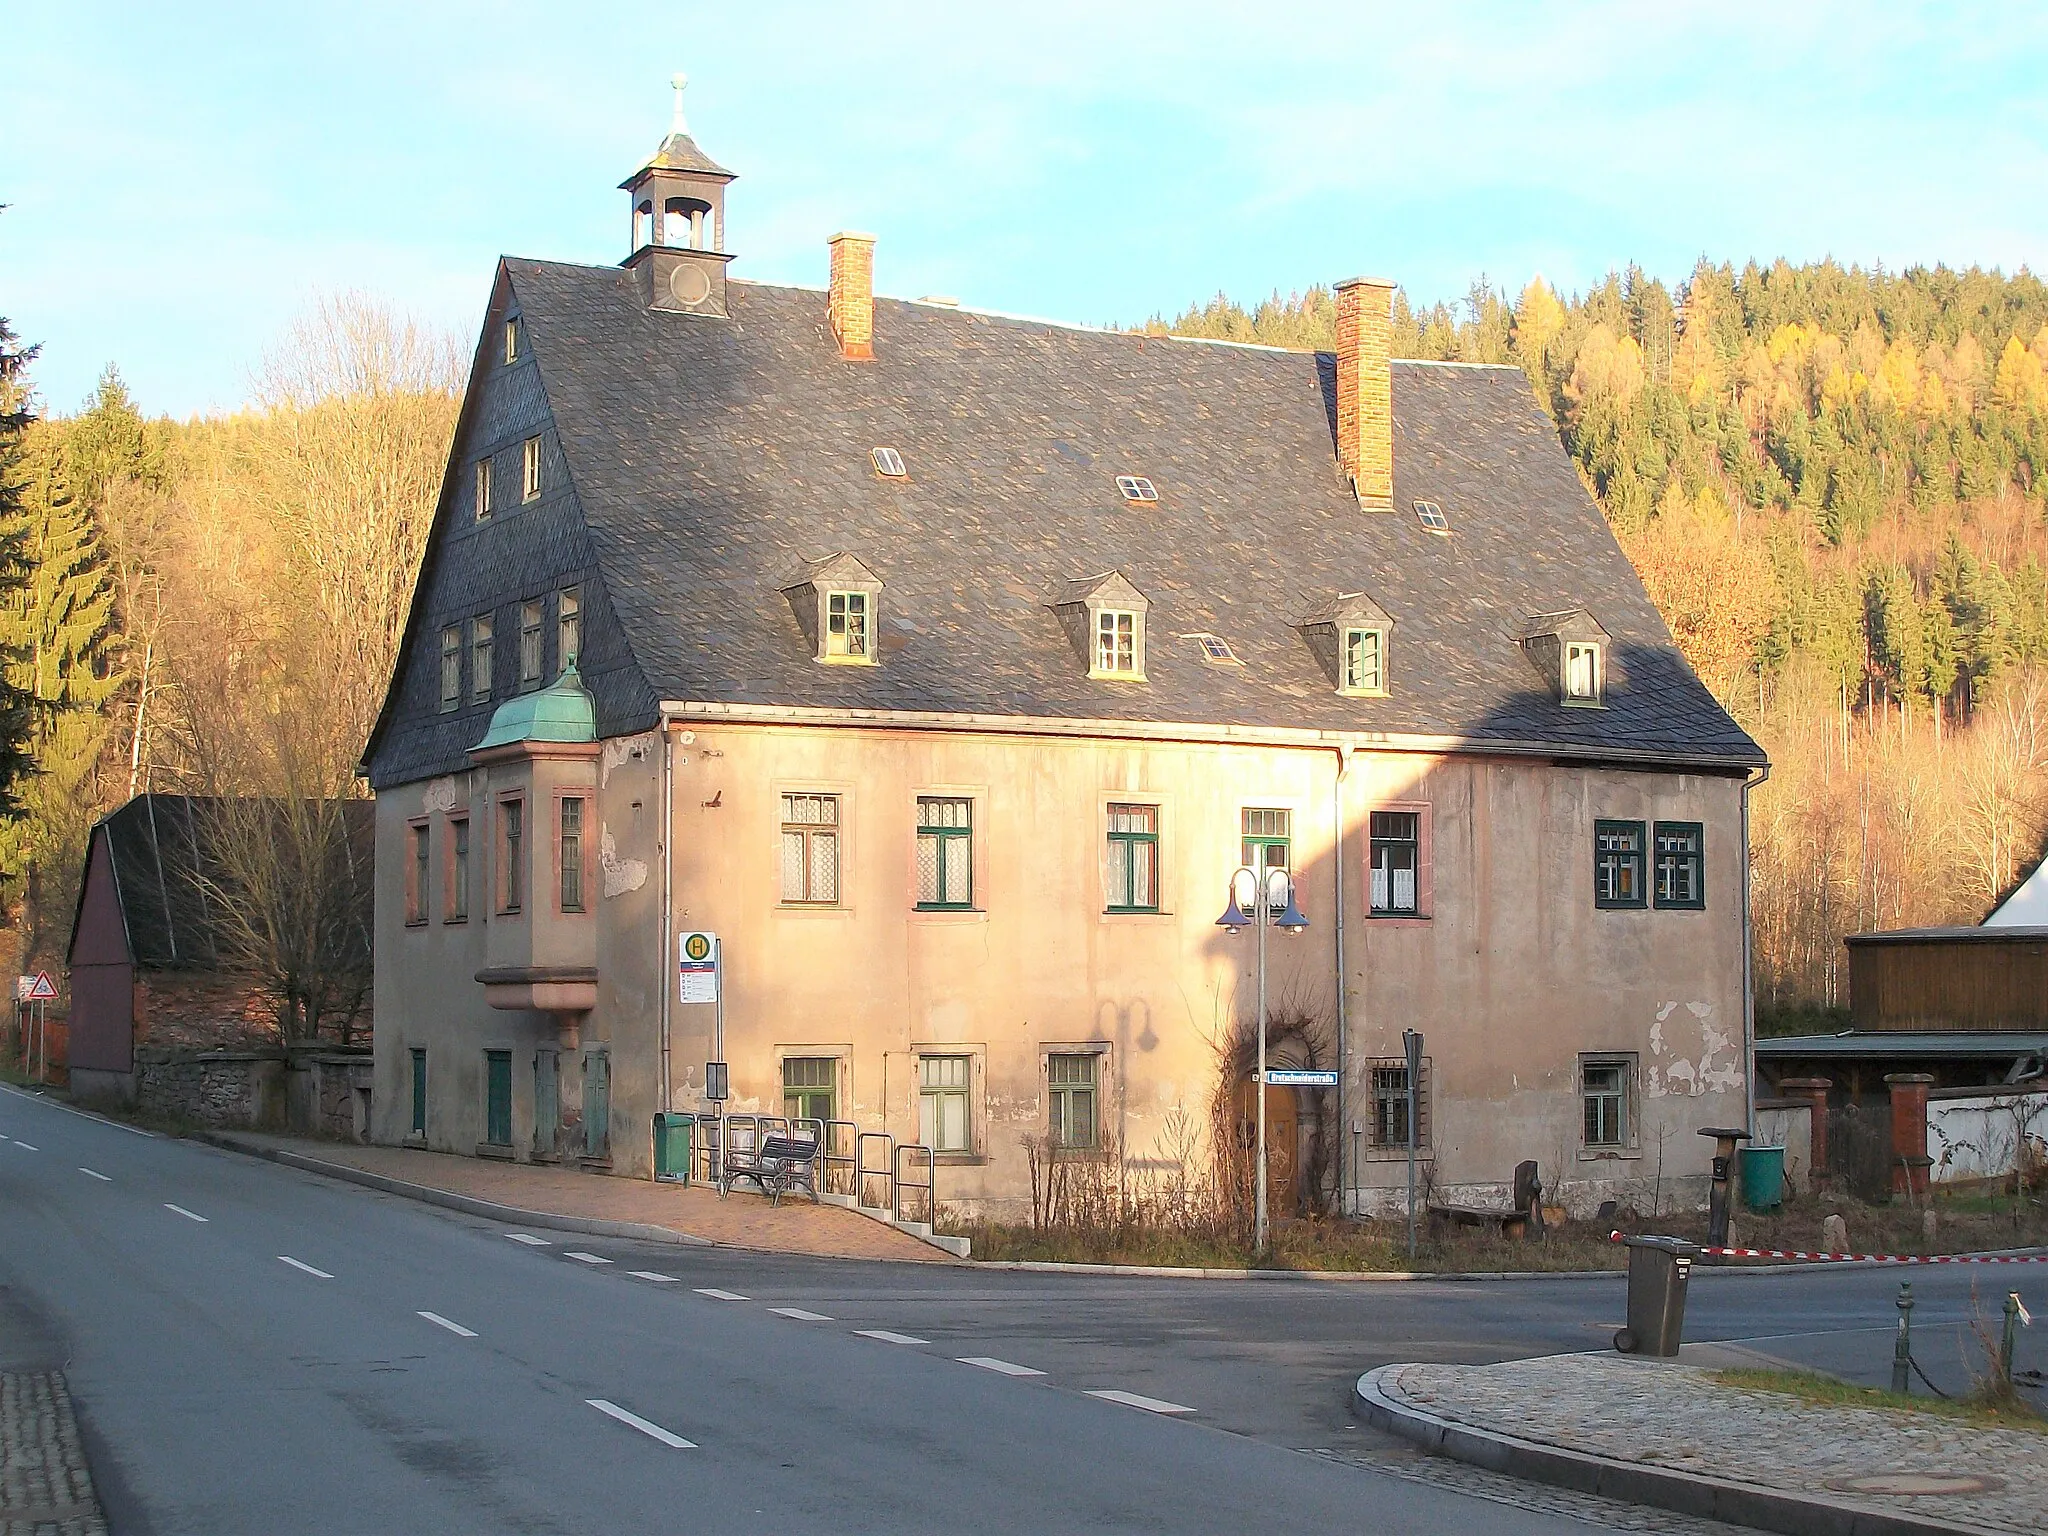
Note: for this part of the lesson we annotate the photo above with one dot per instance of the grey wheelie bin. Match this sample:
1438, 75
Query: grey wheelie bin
1658, 1268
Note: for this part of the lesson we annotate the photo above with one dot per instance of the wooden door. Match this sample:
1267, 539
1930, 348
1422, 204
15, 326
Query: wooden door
1283, 1144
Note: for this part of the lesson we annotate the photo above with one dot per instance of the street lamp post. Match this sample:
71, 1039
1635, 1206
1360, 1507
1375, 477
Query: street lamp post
1262, 898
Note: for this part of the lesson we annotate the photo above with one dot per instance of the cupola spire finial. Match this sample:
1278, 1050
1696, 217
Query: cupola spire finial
679, 80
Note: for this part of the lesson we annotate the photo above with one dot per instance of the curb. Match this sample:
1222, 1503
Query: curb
1454, 1276
1685, 1493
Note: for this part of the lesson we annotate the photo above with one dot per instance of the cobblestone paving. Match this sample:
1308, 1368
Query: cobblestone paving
1582, 1508
1674, 1415
45, 1489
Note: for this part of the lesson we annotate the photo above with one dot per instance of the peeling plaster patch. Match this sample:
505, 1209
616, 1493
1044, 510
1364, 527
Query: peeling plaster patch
620, 875
622, 749
440, 795
1718, 1067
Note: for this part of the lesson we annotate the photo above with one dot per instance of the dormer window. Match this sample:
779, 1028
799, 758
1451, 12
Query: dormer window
1365, 660
1348, 635
1581, 672
838, 603
1431, 516
1104, 617
846, 626
1116, 643
889, 463
1136, 488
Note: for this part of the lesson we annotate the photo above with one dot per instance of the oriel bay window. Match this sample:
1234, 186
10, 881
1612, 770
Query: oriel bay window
511, 855
810, 849
1618, 864
1395, 838
569, 851
1133, 858
945, 853
1681, 865
944, 1123
1071, 1092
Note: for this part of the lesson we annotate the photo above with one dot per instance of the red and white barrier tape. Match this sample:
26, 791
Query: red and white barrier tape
1866, 1258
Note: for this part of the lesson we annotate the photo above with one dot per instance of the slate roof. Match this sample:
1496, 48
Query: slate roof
713, 458
166, 867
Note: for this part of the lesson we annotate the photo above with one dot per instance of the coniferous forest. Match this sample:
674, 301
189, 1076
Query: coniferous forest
1829, 478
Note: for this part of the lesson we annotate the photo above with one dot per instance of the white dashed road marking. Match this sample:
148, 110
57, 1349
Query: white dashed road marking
887, 1337
717, 1295
800, 1314
652, 1274
1004, 1367
529, 1239
586, 1258
94, 1173
652, 1431
188, 1215
26, 1147
1149, 1404
303, 1268
455, 1328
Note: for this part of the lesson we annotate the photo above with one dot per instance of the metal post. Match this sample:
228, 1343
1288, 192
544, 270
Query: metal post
1262, 915
718, 1046
1902, 1351
2015, 1314
1411, 1045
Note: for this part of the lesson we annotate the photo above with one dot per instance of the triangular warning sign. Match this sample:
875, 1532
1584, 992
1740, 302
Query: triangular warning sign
42, 989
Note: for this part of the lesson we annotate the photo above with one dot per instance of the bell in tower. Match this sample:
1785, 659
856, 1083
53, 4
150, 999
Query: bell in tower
678, 198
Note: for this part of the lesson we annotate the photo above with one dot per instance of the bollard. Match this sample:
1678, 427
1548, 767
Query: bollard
2015, 1314
1902, 1352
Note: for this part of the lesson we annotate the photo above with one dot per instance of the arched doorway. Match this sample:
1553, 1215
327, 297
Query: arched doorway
1283, 1142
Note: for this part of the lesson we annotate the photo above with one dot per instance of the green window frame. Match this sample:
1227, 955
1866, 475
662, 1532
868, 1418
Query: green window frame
419, 1091
1267, 828
569, 851
1394, 841
547, 1100
451, 667
1072, 1095
1365, 660
511, 855
945, 1118
498, 1098
810, 1087
597, 1105
846, 625
1606, 1086
1618, 865
1680, 865
810, 850
1133, 857
945, 853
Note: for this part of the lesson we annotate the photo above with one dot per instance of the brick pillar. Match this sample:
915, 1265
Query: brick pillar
1909, 1130
850, 305
1365, 388
1815, 1091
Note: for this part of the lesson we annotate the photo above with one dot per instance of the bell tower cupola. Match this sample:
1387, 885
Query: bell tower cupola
678, 203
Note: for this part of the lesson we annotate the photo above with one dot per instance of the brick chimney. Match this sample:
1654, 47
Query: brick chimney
1365, 388
851, 307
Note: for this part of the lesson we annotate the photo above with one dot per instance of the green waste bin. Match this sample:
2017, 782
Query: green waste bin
1763, 1177
672, 1147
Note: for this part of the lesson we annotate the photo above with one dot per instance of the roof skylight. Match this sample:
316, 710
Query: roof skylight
889, 462
1136, 488
1431, 516
1216, 650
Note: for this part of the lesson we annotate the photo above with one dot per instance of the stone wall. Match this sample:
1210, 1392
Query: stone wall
238, 1090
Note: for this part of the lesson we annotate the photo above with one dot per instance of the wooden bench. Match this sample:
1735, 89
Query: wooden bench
777, 1165
1525, 1220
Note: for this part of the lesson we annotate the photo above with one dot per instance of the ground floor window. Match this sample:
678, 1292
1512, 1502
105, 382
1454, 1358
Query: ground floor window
1071, 1091
498, 1098
419, 1091
808, 1084
1390, 1105
944, 1121
1605, 1084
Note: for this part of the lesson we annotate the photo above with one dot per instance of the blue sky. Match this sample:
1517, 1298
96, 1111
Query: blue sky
184, 178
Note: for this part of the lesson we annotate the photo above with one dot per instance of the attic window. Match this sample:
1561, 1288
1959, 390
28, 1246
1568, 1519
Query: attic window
1431, 516
1365, 660
1136, 488
846, 625
889, 462
1216, 650
1582, 672
1116, 643
512, 338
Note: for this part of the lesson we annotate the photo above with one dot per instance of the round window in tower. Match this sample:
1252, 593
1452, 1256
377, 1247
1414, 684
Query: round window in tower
689, 285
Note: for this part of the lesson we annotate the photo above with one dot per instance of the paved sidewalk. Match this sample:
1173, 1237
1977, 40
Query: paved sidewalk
741, 1220
1665, 1432
44, 1485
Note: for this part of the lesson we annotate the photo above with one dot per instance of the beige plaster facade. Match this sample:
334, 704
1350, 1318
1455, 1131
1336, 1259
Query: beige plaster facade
1509, 969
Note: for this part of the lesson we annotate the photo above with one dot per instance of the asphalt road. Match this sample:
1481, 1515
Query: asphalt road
254, 1349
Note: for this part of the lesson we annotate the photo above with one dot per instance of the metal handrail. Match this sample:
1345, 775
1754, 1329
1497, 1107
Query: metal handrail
742, 1145
913, 1195
836, 1159
707, 1147
875, 1170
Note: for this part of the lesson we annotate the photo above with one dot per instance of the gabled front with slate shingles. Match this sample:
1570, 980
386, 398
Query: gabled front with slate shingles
703, 477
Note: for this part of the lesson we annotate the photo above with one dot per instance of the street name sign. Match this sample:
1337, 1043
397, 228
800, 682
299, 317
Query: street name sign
1293, 1077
